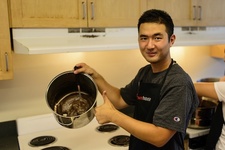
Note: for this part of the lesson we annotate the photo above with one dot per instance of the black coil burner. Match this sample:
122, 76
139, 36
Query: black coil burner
56, 148
107, 128
120, 140
42, 140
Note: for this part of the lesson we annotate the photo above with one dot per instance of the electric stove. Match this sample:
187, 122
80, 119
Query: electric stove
42, 132
44, 129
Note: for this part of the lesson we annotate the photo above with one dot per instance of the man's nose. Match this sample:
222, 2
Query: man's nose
150, 44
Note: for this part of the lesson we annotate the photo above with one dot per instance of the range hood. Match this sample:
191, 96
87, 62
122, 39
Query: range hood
43, 41
60, 40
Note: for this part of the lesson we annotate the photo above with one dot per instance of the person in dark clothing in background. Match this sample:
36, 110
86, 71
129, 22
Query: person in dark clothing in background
162, 93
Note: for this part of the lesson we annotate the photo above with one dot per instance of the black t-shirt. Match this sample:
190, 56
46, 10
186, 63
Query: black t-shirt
178, 97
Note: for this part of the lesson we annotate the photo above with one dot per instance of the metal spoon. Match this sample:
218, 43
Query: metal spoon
79, 92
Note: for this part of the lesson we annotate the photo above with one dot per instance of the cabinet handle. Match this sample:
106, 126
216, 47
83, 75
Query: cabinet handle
6, 62
84, 10
200, 13
195, 11
92, 11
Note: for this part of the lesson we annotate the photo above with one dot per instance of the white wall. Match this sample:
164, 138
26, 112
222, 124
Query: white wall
25, 94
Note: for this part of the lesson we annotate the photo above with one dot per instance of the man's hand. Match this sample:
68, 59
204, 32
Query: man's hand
104, 113
84, 68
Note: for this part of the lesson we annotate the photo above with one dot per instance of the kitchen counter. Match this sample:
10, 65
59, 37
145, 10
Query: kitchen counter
8, 136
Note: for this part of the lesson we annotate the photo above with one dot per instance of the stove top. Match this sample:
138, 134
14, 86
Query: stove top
92, 136
84, 138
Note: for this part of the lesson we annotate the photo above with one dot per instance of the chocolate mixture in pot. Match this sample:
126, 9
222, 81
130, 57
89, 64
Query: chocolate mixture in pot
73, 105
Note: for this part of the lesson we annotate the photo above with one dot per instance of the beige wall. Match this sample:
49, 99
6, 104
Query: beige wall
25, 94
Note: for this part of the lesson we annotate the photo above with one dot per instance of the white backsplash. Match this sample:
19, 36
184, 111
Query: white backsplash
25, 94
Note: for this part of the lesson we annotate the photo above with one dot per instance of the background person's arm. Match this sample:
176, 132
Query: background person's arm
206, 89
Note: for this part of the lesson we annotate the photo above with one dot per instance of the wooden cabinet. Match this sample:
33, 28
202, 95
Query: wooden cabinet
179, 10
211, 13
74, 13
113, 13
218, 51
6, 71
192, 12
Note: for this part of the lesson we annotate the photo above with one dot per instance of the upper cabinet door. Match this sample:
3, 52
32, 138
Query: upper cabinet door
211, 12
192, 12
6, 68
74, 13
48, 13
179, 10
113, 13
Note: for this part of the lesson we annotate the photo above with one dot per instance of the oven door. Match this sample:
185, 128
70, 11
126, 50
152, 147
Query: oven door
196, 139
197, 143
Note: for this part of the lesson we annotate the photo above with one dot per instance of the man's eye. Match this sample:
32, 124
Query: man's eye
143, 38
158, 38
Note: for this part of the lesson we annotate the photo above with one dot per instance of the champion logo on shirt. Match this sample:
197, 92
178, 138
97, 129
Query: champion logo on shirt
176, 119
143, 98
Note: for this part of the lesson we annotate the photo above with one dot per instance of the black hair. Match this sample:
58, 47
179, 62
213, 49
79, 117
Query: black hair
157, 16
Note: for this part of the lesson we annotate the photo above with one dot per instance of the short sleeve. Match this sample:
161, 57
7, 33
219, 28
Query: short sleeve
220, 90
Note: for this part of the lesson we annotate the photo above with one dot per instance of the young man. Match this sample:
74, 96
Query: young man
162, 92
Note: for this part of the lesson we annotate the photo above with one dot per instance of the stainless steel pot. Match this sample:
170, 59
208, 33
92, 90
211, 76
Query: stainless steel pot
72, 98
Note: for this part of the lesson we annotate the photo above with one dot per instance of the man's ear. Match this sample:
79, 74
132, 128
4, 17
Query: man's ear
172, 39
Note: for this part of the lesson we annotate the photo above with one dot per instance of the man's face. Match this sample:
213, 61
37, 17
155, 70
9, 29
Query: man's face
154, 42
